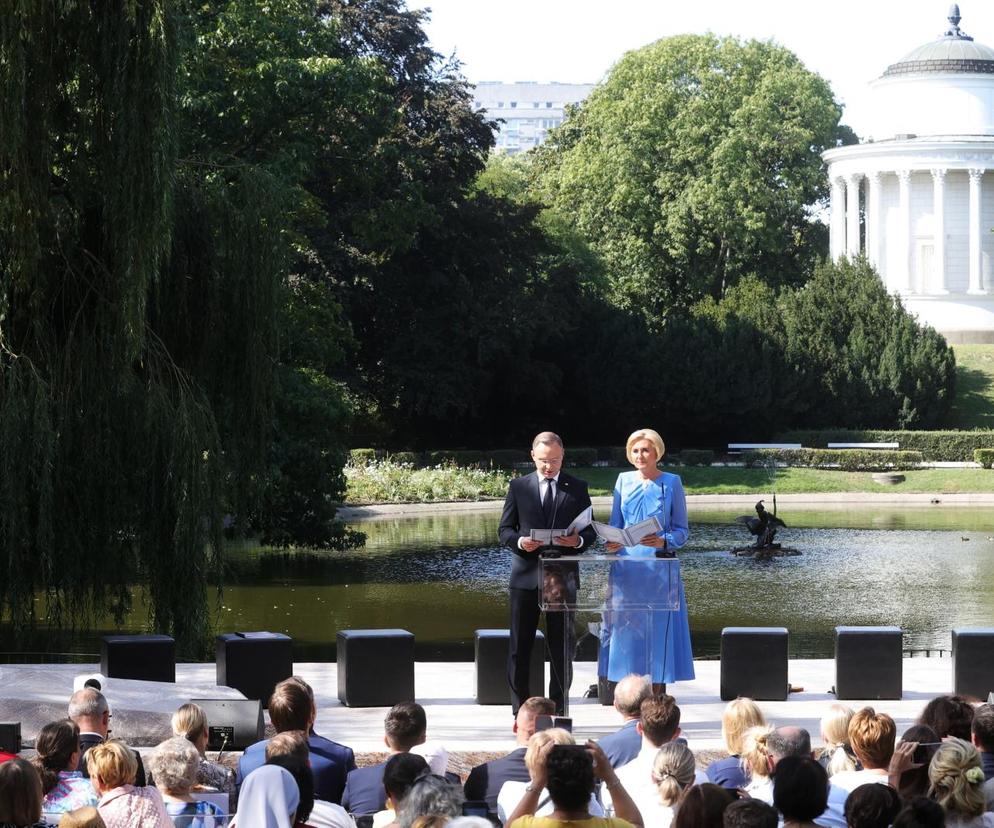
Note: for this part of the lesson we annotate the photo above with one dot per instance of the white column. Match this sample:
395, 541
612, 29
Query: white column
939, 213
902, 281
852, 215
837, 223
874, 219
976, 285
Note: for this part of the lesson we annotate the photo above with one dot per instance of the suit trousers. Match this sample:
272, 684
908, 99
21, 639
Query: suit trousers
560, 637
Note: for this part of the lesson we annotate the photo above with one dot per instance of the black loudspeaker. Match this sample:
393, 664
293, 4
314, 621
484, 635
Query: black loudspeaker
10, 737
491, 648
868, 663
754, 663
973, 661
254, 662
375, 667
142, 657
232, 724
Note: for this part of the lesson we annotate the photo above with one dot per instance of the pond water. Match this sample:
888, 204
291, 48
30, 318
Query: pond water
924, 568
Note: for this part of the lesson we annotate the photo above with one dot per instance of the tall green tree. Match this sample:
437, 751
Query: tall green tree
694, 164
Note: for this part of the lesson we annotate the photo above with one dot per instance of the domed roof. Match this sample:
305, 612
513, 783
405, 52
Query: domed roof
953, 52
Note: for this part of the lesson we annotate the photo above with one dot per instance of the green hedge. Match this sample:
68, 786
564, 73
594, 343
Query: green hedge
984, 456
410, 458
362, 456
581, 456
464, 458
843, 459
697, 457
935, 446
507, 458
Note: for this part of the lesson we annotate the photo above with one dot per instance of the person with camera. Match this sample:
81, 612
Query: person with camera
569, 773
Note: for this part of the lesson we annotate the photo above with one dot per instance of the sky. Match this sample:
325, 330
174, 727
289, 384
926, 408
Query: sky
849, 43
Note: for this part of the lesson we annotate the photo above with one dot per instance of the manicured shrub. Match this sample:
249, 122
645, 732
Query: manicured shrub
842, 459
362, 456
411, 458
507, 458
581, 456
935, 446
984, 456
697, 457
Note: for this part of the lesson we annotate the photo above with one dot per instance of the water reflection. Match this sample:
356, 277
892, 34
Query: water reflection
925, 568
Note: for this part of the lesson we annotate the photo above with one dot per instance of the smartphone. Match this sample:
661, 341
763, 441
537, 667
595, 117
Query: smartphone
544, 722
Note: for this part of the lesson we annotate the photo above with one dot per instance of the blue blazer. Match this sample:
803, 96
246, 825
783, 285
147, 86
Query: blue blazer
330, 763
364, 791
623, 745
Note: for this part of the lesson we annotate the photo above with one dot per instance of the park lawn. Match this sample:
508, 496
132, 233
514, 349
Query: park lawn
723, 480
973, 405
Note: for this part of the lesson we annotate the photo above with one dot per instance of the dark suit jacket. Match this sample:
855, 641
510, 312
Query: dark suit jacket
330, 764
88, 740
623, 745
484, 781
364, 791
523, 512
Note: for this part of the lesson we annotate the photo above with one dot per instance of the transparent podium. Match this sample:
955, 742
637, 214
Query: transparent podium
632, 598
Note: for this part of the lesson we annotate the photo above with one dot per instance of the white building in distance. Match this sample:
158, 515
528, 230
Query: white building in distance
529, 110
924, 180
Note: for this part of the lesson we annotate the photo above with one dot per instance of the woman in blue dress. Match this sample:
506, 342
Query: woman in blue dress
655, 643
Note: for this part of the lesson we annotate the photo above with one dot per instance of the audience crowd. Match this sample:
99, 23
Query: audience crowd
644, 775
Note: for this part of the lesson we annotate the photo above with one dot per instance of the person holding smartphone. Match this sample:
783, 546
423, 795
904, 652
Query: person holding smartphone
570, 773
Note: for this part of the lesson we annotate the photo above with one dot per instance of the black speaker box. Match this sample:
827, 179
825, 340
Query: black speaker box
232, 724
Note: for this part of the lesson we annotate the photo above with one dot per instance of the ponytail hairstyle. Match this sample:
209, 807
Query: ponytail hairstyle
957, 781
55, 745
672, 771
756, 752
835, 732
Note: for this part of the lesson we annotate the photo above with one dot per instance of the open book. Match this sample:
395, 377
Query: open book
630, 535
580, 522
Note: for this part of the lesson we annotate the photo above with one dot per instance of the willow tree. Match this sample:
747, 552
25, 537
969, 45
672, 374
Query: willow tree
122, 273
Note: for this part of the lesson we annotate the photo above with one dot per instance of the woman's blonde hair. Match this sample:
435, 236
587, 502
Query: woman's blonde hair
189, 721
740, 714
835, 732
173, 764
540, 738
113, 763
672, 771
755, 753
88, 817
956, 778
646, 434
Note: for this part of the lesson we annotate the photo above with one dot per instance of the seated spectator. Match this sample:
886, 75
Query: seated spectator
872, 806
778, 743
289, 750
64, 787
673, 772
921, 812
512, 792
837, 756
739, 715
872, 736
190, 722
291, 707
570, 774
624, 744
269, 798
703, 806
485, 781
400, 773
430, 798
757, 764
88, 708
948, 716
88, 817
800, 790
122, 804
750, 813
20, 795
914, 781
957, 784
982, 736
404, 727
174, 765
659, 723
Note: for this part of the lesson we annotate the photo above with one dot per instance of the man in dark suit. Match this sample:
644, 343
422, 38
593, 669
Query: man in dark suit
88, 708
291, 707
625, 743
548, 499
485, 781
404, 727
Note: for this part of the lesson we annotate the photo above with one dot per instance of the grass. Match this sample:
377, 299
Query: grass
973, 406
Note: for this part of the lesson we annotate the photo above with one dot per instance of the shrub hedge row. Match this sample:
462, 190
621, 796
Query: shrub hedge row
984, 456
844, 459
935, 446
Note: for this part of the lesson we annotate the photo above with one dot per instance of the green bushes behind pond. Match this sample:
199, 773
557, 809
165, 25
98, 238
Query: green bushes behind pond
935, 446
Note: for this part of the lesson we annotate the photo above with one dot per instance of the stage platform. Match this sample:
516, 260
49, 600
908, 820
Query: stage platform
36, 694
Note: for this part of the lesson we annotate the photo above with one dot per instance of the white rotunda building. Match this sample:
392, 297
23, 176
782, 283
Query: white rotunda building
923, 182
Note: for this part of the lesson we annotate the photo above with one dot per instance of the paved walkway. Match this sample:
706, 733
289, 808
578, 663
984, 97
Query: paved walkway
36, 694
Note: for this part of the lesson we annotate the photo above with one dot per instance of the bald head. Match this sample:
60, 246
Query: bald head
629, 694
88, 708
788, 741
